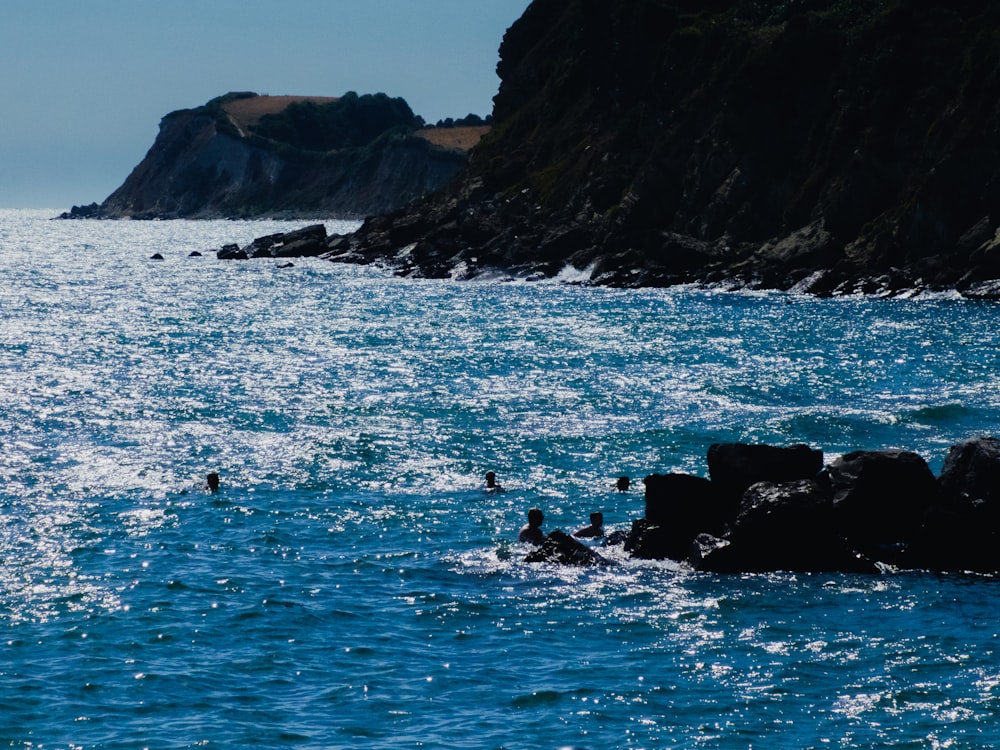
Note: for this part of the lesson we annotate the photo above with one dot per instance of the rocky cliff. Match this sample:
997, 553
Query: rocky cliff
836, 145
243, 155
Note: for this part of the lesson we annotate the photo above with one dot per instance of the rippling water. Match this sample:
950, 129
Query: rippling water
351, 586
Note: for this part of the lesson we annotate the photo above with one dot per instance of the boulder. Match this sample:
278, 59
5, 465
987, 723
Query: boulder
733, 467
971, 474
880, 497
264, 247
780, 526
306, 242
678, 508
231, 252
962, 532
956, 539
559, 547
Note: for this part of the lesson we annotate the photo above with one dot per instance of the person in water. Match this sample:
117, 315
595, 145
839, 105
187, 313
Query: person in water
596, 527
212, 482
532, 530
622, 484
491, 483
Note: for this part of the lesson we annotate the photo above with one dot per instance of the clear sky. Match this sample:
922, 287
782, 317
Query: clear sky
85, 82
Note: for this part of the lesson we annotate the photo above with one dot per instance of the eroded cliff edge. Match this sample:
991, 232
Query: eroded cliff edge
835, 146
246, 156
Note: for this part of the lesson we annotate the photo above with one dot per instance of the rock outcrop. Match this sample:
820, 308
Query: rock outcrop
559, 547
249, 156
833, 146
864, 510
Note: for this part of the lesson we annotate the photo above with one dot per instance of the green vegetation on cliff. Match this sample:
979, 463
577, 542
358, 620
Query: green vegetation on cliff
350, 122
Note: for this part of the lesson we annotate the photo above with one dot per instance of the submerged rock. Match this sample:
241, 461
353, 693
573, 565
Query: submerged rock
560, 547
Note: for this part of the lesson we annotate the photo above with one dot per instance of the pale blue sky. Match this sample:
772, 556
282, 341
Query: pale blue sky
85, 82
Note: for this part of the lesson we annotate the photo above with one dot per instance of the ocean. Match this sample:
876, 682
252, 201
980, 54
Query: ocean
351, 585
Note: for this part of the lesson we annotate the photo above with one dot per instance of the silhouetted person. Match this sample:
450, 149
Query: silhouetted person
491, 483
212, 482
622, 484
532, 530
596, 527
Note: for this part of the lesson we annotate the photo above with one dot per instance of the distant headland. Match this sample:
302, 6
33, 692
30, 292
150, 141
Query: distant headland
243, 155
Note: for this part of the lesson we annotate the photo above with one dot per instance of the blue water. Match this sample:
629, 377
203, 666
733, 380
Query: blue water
351, 586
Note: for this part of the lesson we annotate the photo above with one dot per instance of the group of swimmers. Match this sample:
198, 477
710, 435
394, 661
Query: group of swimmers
532, 531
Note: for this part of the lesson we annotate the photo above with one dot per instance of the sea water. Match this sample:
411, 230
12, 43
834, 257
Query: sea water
352, 586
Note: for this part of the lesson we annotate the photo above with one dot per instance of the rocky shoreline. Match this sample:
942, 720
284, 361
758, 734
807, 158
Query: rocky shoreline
400, 247
831, 148
768, 508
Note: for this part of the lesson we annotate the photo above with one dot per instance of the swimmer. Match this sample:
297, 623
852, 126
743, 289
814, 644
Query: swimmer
491, 483
622, 484
532, 530
212, 482
596, 527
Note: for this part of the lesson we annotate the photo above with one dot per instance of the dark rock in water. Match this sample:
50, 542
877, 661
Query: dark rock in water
90, 211
783, 526
194, 254
286, 265
560, 547
705, 545
956, 539
971, 474
156, 256
618, 536
880, 497
263, 247
678, 508
306, 242
963, 531
733, 467
231, 252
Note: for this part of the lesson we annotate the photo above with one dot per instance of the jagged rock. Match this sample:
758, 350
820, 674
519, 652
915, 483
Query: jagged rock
880, 497
733, 467
560, 547
784, 526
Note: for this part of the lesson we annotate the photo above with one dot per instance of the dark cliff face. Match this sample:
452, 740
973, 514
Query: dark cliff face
355, 162
656, 142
